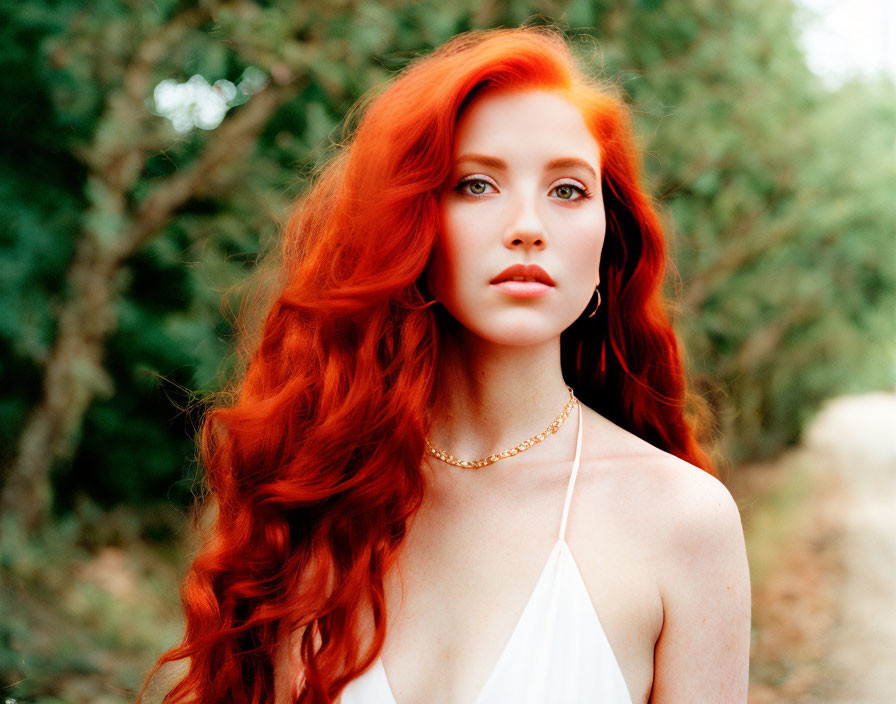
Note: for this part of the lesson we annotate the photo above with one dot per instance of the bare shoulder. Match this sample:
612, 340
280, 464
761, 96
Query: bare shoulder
684, 504
691, 531
702, 572
694, 512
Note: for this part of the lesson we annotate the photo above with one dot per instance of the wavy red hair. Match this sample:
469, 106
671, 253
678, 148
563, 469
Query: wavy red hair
314, 466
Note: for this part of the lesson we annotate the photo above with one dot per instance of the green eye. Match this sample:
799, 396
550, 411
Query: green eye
473, 187
567, 191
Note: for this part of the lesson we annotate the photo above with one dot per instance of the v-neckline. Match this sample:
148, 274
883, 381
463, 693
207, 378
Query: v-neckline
559, 545
552, 557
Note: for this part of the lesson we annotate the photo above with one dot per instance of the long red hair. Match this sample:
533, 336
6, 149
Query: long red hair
314, 465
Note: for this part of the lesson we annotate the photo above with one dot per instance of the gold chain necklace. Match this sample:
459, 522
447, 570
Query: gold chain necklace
522, 447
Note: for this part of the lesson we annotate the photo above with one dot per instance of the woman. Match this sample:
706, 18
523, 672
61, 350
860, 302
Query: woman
476, 275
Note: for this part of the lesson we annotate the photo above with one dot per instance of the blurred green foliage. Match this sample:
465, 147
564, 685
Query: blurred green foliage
782, 213
778, 195
87, 602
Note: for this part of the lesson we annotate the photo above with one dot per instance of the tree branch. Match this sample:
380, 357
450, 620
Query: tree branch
232, 141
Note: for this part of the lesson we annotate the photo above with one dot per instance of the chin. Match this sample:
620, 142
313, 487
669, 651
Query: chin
516, 335
520, 328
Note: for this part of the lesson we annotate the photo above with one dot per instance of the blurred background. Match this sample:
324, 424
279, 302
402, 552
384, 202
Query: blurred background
151, 150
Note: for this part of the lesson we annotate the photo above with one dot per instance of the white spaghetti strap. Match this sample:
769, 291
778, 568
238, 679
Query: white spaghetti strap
573, 474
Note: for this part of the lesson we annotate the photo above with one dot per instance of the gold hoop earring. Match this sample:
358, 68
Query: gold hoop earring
591, 315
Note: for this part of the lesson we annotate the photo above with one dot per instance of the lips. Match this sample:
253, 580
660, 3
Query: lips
524, 272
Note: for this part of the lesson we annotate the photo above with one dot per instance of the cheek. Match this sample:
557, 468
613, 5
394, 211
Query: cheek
460, 228
453, 252
588, 236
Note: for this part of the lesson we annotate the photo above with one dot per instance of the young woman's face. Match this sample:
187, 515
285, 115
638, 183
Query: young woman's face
524, 190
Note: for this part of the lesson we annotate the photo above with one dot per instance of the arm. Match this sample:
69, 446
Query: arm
702, 654
287, 672
163, 682
287, 666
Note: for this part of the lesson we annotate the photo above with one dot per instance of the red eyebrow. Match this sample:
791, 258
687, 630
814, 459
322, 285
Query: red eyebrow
558, 163
566, 162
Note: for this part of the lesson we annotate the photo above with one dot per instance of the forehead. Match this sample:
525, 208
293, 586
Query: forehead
513, 121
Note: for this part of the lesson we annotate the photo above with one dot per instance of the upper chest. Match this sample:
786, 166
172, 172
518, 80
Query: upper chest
468, 568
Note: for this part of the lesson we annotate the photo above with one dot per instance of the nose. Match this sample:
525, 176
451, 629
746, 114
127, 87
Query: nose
526, 229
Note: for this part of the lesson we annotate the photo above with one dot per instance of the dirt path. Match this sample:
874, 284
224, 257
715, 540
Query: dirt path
823, 538
859, 434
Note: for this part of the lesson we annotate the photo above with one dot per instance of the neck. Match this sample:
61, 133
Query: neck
492, 396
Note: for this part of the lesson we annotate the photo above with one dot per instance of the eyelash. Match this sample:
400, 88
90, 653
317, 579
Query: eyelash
581, 189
